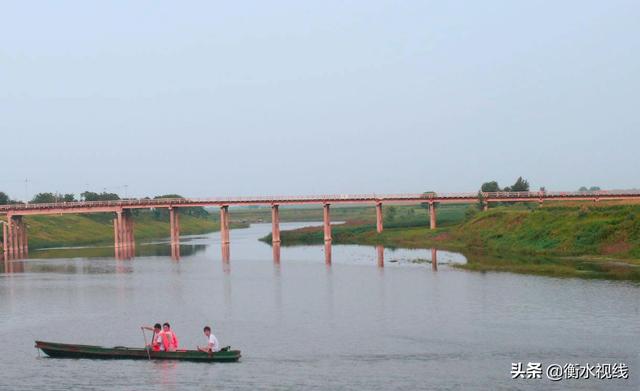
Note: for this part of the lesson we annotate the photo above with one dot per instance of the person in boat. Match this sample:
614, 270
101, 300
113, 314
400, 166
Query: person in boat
156, 339
169, 338
212, 342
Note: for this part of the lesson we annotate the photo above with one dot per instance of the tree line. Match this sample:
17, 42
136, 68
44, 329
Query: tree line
52, 197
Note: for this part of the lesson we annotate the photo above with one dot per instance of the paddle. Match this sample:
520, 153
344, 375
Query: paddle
145, 343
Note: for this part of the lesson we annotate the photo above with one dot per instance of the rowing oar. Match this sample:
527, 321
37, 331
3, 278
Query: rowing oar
146, 346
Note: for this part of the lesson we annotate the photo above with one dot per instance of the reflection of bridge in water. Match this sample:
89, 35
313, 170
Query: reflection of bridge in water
15, 240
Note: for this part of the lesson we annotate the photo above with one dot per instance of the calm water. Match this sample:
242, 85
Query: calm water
305, 325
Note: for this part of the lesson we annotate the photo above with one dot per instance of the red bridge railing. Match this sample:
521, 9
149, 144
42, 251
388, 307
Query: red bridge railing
345, 198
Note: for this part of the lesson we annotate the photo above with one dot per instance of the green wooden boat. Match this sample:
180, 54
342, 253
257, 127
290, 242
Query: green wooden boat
63, 350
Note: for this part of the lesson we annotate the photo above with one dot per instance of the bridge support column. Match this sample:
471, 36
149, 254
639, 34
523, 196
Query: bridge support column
224, 224
432, 215
5, 233
485, 206
326, 217
174, 231
128, 234
10, 237
23, 237
379, 217
120, 238
275, 224
18, 236
116, 239
15, 237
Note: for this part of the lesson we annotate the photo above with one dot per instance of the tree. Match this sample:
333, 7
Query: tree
520, 185
104, 196
594, 188
69, 198
4, 198
44, 198
583, 189
489, 187
197, 211
428, 194
390, 213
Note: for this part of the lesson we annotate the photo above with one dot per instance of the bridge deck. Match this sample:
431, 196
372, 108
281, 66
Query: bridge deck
111, 206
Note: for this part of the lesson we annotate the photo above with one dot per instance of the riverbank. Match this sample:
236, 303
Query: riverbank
581, 240
97, 229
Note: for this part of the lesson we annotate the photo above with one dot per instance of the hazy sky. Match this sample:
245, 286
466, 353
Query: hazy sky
255, 98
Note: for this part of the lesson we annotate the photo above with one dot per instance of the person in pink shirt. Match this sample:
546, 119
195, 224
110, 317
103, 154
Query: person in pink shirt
169, 338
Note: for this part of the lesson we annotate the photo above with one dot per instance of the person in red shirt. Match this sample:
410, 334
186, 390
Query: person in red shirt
156, 339
169, 338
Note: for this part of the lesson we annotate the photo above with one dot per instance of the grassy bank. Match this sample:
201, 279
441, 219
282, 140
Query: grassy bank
583, 240
412, 214
97, 229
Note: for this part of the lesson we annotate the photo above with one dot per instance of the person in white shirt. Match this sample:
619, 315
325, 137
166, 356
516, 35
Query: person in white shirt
212, 342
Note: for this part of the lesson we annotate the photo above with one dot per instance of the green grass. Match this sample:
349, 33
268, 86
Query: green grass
609, 230
582, 240
393, 214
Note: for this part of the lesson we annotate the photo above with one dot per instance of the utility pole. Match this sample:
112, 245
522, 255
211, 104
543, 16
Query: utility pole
26, 190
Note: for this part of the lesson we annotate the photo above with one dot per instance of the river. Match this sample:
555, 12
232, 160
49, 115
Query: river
303, 324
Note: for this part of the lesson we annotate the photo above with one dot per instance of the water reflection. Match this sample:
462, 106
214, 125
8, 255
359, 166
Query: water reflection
327, 252
434, 259
276, 253
226, 257
175, 251
10, 267
159, 249
380, 251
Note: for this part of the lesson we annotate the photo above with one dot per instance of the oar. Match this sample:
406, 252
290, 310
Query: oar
146, 346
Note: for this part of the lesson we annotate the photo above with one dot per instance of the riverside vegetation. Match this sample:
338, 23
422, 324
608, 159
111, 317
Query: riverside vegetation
572, 240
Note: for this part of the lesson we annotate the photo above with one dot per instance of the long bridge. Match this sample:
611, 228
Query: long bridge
15, 240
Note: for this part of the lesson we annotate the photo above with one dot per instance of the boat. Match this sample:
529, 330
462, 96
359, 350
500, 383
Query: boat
64, 350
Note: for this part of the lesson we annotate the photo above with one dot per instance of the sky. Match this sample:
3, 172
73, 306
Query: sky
214, 98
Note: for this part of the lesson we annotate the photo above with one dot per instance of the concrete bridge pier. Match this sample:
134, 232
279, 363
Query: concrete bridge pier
118, 235
485, 206
174, 228
23, 237
275, 224
224, 224
432, 215
5, 234
123, 235
116, 239
129, 234
326, 217
379, 226
15, 237
19, 250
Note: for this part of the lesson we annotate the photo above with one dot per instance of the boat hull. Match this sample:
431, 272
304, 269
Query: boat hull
62, 350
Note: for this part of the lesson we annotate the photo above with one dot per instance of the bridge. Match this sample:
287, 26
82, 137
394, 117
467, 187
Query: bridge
15, 240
